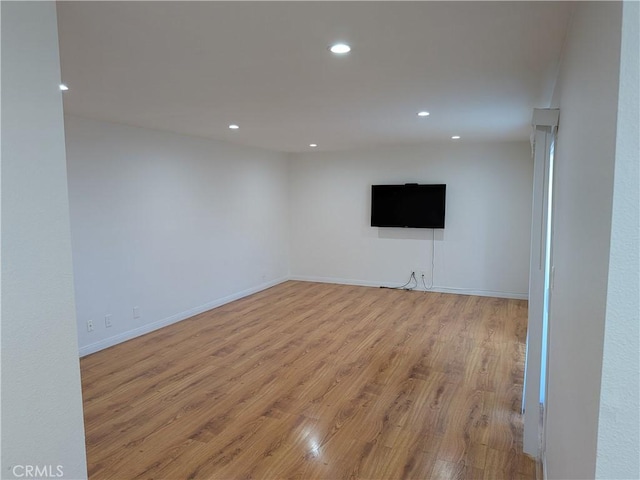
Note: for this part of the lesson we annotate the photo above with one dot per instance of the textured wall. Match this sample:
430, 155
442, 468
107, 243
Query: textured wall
41, 399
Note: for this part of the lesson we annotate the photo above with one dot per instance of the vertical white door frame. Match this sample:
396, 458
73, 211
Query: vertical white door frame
544, 122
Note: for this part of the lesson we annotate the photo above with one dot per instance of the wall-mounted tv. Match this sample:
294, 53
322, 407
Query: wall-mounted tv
408, 206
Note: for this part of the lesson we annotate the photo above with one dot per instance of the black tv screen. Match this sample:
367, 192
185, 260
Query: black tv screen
409, 205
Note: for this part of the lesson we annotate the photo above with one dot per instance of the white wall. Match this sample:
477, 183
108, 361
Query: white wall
41, 400
484, 248
586, 94
619, 423
171, 224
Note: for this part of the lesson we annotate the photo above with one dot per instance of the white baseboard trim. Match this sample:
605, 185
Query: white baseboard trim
150, 327
338, 281
458, 291
481, 293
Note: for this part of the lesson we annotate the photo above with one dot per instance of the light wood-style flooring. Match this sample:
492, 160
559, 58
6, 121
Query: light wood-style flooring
316, 381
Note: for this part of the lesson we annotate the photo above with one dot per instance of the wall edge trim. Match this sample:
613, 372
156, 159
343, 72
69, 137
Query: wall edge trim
437, 289
158, 324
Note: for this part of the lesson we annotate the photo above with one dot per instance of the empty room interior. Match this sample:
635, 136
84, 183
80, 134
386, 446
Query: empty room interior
320, 240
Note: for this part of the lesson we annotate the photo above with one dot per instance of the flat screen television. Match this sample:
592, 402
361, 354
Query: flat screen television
408, 206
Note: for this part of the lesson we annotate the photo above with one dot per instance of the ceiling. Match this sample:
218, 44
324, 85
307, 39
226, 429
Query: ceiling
194, 68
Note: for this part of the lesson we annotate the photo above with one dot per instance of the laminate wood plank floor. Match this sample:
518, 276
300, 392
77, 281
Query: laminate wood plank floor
316, 381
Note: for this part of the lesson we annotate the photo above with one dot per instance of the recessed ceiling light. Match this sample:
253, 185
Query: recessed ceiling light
233, 126
313, 145
423, 114
455, 137
340, 48
63, 87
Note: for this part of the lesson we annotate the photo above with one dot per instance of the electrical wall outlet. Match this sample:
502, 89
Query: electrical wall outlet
89, 325
136, 312
107, 320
